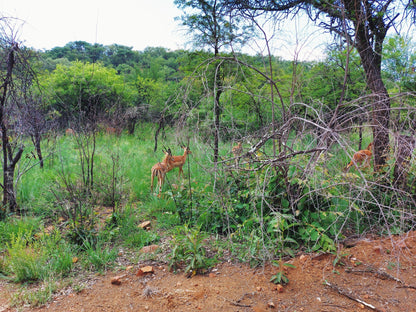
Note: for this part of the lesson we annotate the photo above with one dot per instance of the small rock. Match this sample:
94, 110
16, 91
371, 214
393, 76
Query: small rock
149, 249
270, 304
145, 270
145, 225
116, 280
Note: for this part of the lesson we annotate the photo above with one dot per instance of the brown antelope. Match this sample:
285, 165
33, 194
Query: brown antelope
69, 131
159, 170
237, 150
179, 161
361, 157
112, 130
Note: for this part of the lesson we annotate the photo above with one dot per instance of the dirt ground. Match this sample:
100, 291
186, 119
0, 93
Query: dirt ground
375, 275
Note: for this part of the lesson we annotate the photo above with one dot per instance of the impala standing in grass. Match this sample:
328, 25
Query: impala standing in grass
159, 170
361, 157
179, 161
237, 150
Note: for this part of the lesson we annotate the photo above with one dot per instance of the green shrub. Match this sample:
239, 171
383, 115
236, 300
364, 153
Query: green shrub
26, 259
35, 297
189, 250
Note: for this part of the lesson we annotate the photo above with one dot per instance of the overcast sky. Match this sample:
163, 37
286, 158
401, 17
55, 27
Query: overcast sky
45, 24
133, 23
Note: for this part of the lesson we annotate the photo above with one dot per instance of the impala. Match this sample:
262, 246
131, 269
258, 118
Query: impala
179, 161
237, 150
69, 131
112, 130
159, 170
361, 157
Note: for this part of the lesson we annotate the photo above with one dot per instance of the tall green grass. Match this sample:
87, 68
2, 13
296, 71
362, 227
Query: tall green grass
266, 209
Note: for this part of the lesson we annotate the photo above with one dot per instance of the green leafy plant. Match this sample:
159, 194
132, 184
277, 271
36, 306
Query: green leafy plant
280, 224
189, 250
280, 277
315, 234
26, 259
338, 260
60, 254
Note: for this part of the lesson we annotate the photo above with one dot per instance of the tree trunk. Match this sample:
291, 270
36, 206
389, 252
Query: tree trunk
217, 113
371, 60
403, 153
217, 107
9, 197
36, 141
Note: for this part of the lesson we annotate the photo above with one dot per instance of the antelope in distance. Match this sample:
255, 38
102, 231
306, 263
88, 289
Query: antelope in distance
159, 170
237, 150
69, 131
361, 157
179, 161
112, 130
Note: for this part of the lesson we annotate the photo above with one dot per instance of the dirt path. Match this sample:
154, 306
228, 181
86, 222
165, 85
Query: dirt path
372, 272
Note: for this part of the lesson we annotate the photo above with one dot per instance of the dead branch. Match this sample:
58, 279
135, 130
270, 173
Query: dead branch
349, 295
377, 272
381, 274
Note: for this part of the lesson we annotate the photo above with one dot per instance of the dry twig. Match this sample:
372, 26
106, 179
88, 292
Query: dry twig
349, 295
379, 273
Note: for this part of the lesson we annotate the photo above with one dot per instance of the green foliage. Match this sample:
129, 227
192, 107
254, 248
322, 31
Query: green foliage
189, 250
26, 259
100, 256
251, 245
13, 227
325, 80
29, 259
60, 254
281, 224
399, 62
35, 297
86, 88
124, 227
280, 277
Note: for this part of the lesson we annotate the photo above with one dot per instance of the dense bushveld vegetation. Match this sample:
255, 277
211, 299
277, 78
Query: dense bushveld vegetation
81, 195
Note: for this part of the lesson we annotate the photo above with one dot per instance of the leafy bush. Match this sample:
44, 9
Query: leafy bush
30, 259
189, 250
26, 259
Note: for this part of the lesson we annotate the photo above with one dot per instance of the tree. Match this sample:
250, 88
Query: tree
90, 91
211, 26
16, 77
399, 63
364, 25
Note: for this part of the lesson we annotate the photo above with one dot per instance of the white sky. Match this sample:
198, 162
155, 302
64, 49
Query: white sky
45, 24
133, 23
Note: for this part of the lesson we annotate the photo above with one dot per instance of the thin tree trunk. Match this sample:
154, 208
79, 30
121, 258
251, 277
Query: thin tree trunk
9, 198
36, 141
381, 108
